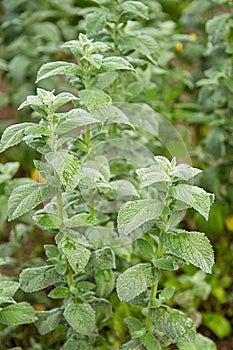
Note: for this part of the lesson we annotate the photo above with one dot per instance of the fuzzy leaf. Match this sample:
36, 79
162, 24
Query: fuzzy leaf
8, 288
135, 213
55, 68
200, 343
136, 328
81, 317
151, 175
195, 197
73, 119
103, 259
26, 197
62, 99
174, 323
185, 172
76, 254
13, 135
193, 247
95, 22
48, 320
67, 166
134, 281
17, 314
116, 63
84, 219
37, 278
93, 98
149, 342
134, 9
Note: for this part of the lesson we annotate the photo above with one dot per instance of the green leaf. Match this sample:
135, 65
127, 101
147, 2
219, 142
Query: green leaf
37, 278
57, 68
26, 197
136, 328
134, 214
217, 27
116, 63
195, 197
200, 343
8, 288
134, 281
48, 221
81, 317
62, 99
9, 168
78, 344
167, 294
134, 10
174, 324
94, 98
105, 79
193, 247
105, 283
164, 264
218, 324
13, 135
146, 249
67, 166
149, 342
95, 60
184, 172
17, 314
76, 254
153, 174
59, 293
95, 22
48, 320
84, 219
103, 259
74, 119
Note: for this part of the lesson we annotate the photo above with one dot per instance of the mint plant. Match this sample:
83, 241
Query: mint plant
113, 212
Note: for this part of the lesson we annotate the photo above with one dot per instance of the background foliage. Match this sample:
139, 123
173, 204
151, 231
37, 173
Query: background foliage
183, 60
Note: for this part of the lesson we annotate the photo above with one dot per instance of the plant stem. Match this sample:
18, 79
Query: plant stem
60, 205
69, 275
91, 205
87, 136
153, 295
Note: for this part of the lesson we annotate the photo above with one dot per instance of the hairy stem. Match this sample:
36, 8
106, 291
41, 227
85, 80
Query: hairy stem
154, 289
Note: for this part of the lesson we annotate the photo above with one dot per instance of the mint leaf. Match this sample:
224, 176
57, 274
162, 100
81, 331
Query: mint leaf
57, 68
195, 197
81, 317
13, 135
200, 343
17, 314
37, 278
174, 324
94, 98
134, 214
26, 197
76, 254
134, 281
193, 247
48, 320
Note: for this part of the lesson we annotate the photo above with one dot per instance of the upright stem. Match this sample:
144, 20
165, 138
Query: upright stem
154, 289
60, 205
87, 136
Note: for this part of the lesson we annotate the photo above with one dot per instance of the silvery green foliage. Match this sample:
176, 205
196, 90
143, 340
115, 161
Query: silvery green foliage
91, 259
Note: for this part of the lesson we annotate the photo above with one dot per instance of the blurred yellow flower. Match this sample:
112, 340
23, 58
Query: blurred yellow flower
229, 223
39, 307
193, 36
179, 47
35, 175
